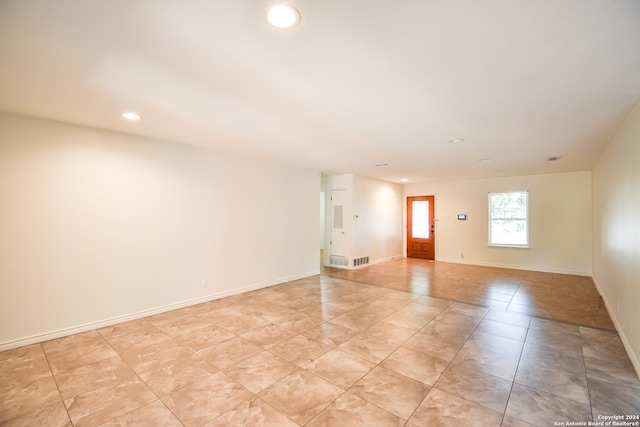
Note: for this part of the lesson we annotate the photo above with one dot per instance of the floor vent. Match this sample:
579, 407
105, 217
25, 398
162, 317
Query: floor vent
361, 261
339, 260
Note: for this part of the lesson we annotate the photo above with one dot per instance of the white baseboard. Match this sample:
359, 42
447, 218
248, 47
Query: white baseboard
46, 336
633, 357
515, 267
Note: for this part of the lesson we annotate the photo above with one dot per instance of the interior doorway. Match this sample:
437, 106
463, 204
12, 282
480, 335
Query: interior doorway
421, 242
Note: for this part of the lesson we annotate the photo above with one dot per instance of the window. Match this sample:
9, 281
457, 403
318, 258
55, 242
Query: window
508, 219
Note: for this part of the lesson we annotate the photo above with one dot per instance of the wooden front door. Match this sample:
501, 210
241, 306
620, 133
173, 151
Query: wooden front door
421, 242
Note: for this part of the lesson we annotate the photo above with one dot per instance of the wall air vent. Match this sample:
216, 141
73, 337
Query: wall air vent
361, 261
339, 260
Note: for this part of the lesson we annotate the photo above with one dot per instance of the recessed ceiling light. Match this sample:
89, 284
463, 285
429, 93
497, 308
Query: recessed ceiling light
404, 180
455, 141
484, 160
282, 16
553, 158
382, 164
131, 116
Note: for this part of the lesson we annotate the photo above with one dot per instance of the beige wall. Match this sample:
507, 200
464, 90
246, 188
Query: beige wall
377, 230
372, 219
616, 231
98, 227
559, 222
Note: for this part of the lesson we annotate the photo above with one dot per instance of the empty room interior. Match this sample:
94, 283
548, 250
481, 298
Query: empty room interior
319, 213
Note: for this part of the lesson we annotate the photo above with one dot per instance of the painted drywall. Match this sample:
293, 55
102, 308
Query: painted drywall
372, 217
559, 222
377, 219
616, 232
98, 227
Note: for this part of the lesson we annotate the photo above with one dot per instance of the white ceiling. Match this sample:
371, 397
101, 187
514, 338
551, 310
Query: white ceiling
358, 83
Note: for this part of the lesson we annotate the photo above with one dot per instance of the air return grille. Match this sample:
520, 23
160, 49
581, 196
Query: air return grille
361, 261
339, 260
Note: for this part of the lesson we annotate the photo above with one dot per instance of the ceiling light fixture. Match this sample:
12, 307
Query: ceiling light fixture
131, 116
382, 164
553, 158
404, 180
455, 141
484, 160
282, 16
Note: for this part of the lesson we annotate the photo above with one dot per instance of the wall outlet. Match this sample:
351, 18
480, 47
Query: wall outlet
618, 306
461, 255
205, 284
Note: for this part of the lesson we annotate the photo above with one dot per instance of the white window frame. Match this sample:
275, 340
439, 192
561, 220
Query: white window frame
526, 221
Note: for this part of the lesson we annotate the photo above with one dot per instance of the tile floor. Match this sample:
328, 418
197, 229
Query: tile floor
404, 343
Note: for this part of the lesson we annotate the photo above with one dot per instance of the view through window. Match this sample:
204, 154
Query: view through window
508, 219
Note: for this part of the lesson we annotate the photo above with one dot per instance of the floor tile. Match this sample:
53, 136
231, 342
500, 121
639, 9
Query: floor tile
126, 328
258, 372
50, 416
330, 334
602, 345
509, 318
543, 409
28, 397
71, 343
300, 322
155, 414
22, 366
442, 409
299, 350
569, 384
206, 399
509, 421
614, 370
268, 335
368, 347
540, 356
413, 321
89, 377
417, 365
486, 341
140, 339
352, 411
614, 398
167, 317
301, 395
430, 342
82, 355
484, 389
564, 342
254, 413
391, 391
355, 321
472, 310
229, 352
436, 303
241, 324
340, 368
176, 374
98, 406
449, 330
389, 332
494, 327
204, 337
490, 362
155, 355
184, 326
